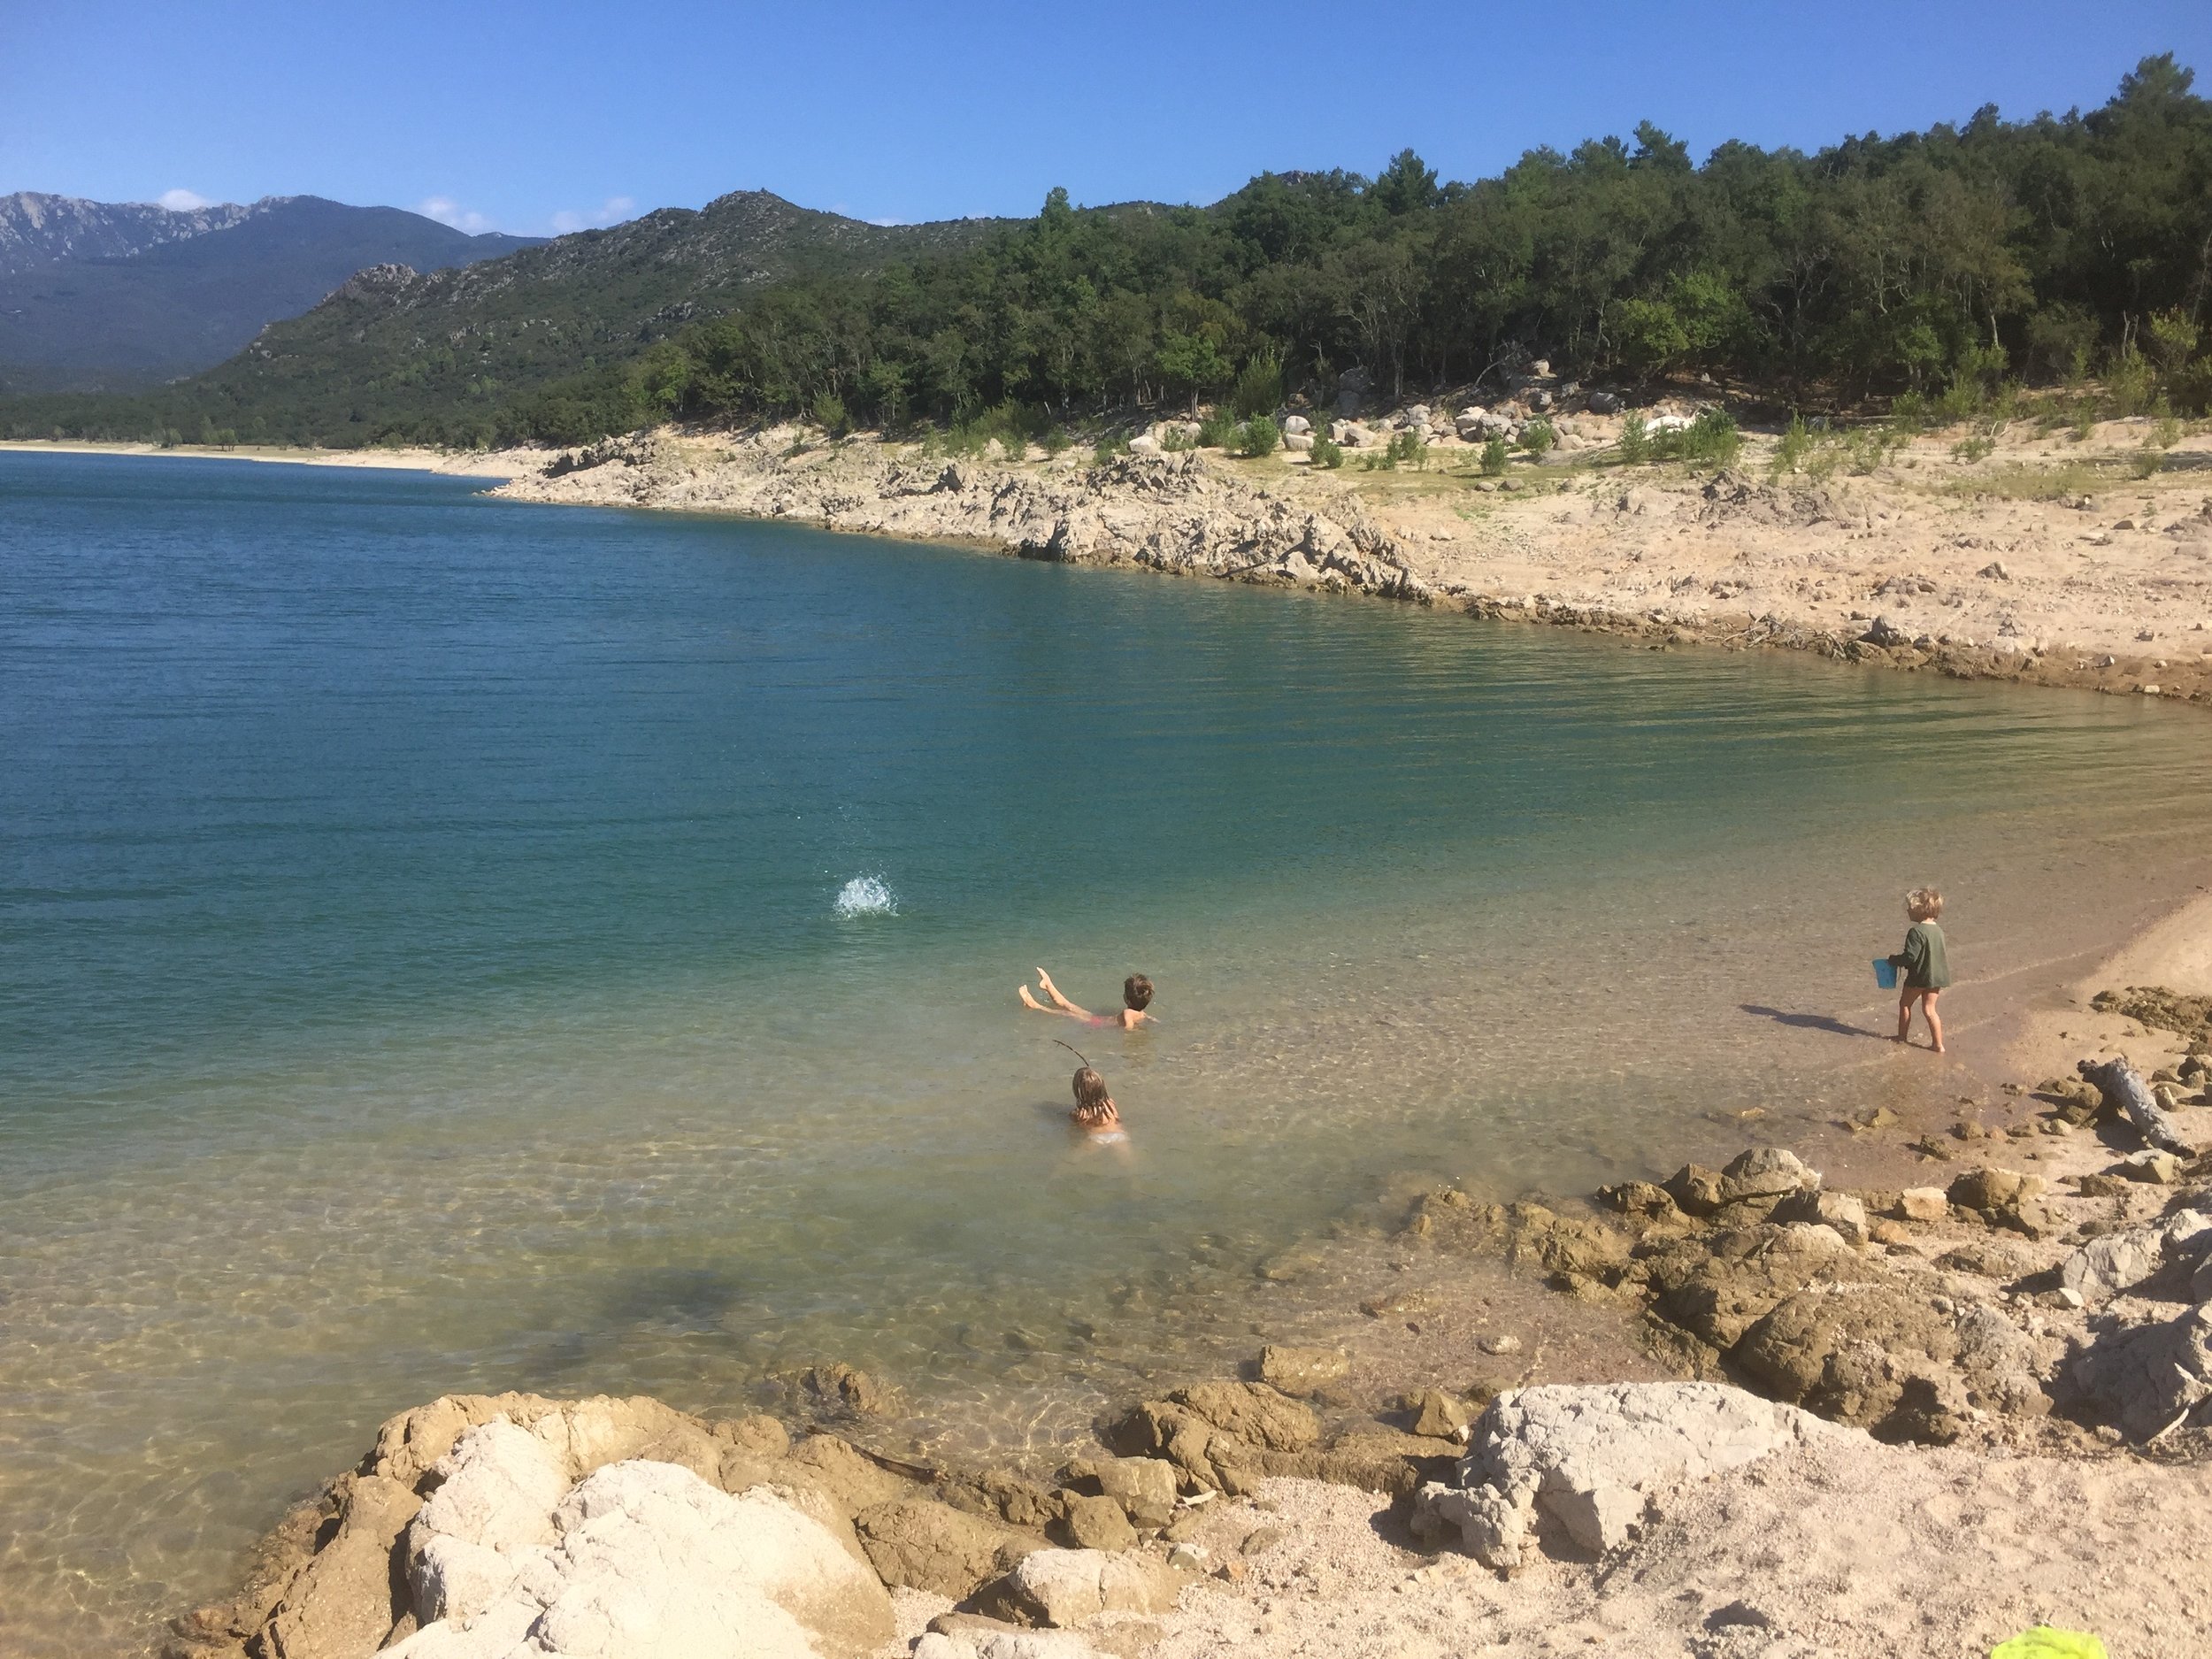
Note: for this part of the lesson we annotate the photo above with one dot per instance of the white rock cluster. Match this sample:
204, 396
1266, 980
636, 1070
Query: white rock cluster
1593, 1457
639, 1560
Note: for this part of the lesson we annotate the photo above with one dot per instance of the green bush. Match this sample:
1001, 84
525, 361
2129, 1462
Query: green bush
1493, 458
831, 415
1797, 443
2165, 432
1538, 439
1258, 436
1327, 452
1635, 445
1259, 387
1217, 429
968, 439
1972, 449
1176, 439
1113, 444
1908, 413
2128, 384
1409, 449
1712, 437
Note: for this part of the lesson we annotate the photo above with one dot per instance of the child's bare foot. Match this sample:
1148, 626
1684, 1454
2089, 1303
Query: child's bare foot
1028, 1000
1045, 984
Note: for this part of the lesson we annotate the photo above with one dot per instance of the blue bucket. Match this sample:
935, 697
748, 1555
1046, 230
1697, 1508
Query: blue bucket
1885, 973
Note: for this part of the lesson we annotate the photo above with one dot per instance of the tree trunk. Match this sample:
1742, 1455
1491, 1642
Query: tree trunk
2125, 1090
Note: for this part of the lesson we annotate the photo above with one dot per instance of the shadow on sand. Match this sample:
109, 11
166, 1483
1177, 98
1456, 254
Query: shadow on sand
1813, 1022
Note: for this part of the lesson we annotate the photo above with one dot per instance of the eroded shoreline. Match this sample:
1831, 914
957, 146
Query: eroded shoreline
1981, 570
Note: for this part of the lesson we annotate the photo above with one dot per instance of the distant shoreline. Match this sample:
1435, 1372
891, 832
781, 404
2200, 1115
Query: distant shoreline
463, 464
2112, 593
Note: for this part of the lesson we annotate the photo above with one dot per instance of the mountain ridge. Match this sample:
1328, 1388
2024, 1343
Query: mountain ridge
134, 298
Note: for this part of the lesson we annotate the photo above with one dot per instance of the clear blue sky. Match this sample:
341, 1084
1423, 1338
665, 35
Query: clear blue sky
529, 118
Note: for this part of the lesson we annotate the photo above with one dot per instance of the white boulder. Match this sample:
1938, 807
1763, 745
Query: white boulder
1593, 1458
501, 1485
647, 1560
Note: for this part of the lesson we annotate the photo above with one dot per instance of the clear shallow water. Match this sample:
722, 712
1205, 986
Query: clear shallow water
447, 944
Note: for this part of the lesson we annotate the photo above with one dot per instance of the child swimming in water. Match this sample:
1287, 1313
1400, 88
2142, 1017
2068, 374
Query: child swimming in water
1136, 996
1094, 1112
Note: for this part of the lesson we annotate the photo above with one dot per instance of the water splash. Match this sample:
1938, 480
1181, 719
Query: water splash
866, 895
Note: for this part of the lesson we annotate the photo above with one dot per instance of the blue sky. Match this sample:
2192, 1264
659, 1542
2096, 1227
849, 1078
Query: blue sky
553, 116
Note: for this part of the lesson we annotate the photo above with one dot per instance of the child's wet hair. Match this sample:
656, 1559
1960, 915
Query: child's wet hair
1136, 992
1090, 1090
1923, 904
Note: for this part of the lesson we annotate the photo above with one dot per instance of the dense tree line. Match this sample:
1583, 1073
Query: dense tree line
2033, 249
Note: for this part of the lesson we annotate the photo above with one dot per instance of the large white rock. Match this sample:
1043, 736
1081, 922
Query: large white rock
650, 1562
501, 1485
1591, 1457
2104, 1267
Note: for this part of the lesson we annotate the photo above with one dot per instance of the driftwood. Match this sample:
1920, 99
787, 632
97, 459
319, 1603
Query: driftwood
2125, 1090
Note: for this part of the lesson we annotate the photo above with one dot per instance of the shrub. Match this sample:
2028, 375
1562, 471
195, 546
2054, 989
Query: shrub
1054, 439
1972, 449
1909, 413
1797, 443
1217, 429
1409, 448
1259, 386
1538, 437
967, 438
1493, 458
2148, 460
2127, 383
1635, 445
1176, 439
831, 416
1114, 443
2165, 433
1258, 436
1712, 437
1327, 452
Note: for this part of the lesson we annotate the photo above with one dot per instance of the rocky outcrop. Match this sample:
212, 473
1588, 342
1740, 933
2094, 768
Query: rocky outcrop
1067, 1588
1173, 512
2154, 1379
1591, 1460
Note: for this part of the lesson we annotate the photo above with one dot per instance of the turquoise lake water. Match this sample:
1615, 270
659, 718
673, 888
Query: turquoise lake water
422, 965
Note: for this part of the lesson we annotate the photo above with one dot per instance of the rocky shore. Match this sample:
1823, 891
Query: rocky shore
2002, 566
1917, 1418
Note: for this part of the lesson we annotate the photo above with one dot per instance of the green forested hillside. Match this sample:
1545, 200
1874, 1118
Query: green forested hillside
2036, 249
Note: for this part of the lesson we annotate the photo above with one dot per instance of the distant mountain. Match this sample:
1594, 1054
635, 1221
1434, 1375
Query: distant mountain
37, 230
99, 297
452, 351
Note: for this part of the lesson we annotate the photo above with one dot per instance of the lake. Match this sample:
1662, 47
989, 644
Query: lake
447, 944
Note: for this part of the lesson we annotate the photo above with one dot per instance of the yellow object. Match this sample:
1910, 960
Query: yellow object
2043, 1642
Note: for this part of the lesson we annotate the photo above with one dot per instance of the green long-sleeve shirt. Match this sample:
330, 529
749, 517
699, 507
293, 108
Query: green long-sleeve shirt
1926, 967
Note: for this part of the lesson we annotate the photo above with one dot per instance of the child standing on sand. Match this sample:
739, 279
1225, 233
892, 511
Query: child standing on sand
1927, 969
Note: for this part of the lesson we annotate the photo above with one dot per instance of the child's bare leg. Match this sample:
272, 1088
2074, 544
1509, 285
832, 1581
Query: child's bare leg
1904, 1017
1045, 984
1935, 1022
1066, 1008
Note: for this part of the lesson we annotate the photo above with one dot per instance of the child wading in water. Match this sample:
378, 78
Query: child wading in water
1136, 996
1927, 969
